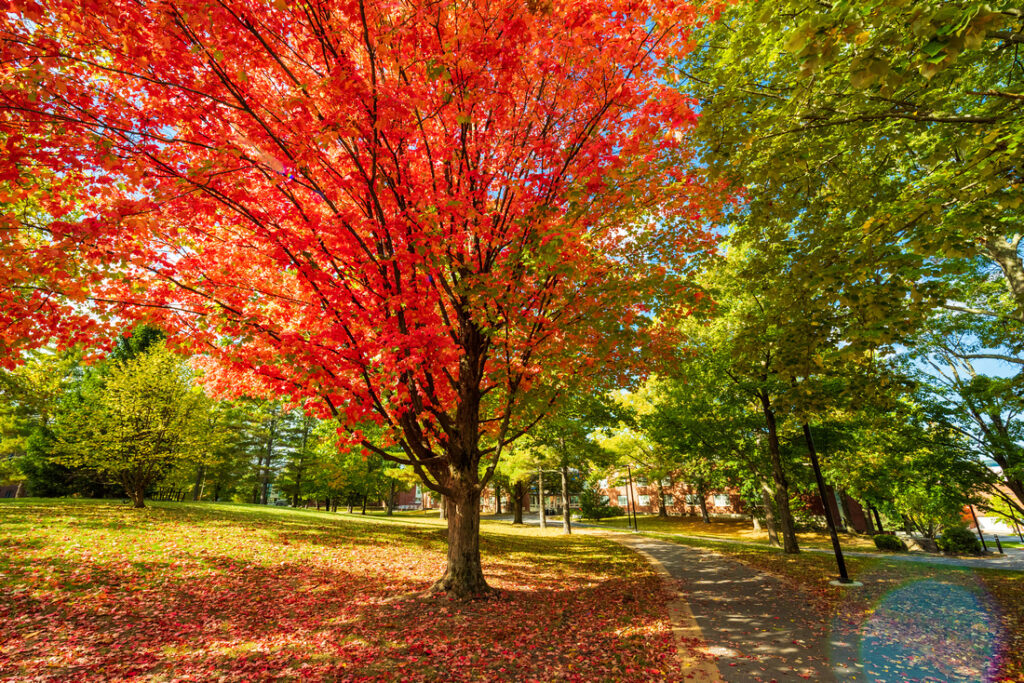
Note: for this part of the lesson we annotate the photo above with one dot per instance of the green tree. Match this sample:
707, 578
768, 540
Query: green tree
885, 136
136, 423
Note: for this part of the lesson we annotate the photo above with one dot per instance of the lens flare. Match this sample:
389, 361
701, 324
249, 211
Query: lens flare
927, 630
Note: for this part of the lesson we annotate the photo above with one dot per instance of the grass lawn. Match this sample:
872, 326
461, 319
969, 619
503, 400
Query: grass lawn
848, 608
736, 530
94, 590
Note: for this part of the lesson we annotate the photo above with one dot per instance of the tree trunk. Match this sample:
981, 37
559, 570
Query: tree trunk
364, 505
702, 497
463, 577
136, 496
869, 523
497, 498
755, 522
351, 504
566, 521
298, 486
785, 521
540, 498
1004, 253
517, 503
442, 509
843, 523
391, 499
662, 510
198, 485
878, 520
769, 514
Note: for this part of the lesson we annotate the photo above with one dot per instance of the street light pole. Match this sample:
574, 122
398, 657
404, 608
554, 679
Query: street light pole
630, 498
977, 526
540, 498
829, 520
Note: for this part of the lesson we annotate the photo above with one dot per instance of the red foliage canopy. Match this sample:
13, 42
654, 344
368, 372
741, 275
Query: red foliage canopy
411, 213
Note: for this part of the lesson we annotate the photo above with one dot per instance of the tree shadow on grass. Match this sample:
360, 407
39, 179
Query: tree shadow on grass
565, 610
310, 622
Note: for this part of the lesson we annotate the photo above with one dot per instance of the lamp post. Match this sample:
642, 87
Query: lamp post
630, 497
540, 498
829, 520
977, 526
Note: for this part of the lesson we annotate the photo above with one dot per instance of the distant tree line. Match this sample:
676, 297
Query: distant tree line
137, 424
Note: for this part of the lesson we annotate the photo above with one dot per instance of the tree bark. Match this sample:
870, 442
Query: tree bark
517, 503
463, 576
769, 514
364, 505
391, 499
566, 521
868, 522
878, 519
137, 498
1004, 253
702, 497
845, 518
540, 498
662, 510
442, 508
497, 498
198, 485
785, 521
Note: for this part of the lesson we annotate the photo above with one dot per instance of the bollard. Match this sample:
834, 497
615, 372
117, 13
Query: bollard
999, 545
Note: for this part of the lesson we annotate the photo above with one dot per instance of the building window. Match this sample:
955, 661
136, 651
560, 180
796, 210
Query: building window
670, 500
667, 481
622, 501
603, 484
641, 481
645, 500
692, 499
721, 500
605, 500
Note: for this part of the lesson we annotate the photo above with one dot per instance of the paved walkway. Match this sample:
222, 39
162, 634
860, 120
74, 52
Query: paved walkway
1013, 559
756, 627
759, 628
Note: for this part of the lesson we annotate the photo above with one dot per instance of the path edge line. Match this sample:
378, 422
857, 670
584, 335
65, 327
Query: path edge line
684, 624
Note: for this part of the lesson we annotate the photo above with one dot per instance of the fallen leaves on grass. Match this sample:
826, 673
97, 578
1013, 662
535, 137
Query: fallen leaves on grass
100, 592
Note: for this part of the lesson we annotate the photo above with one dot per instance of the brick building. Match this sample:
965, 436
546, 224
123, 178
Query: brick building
680, 498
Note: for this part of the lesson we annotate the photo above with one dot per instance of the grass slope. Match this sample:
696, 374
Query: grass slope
98, 591
734, 530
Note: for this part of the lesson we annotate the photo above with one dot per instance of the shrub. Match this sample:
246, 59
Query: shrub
592, 505
959, 540
889, 542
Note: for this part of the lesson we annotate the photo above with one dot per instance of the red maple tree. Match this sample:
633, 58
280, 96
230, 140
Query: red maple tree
432, 217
